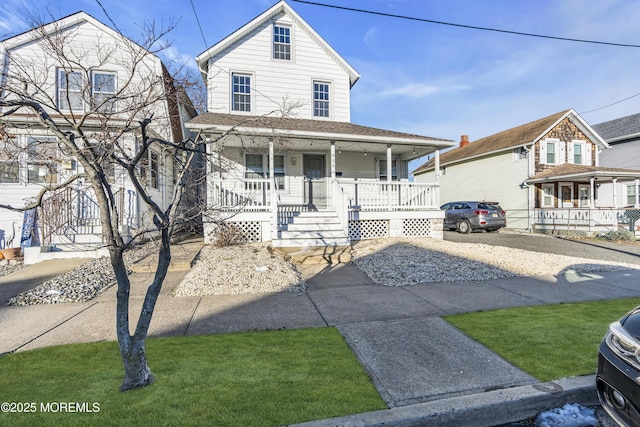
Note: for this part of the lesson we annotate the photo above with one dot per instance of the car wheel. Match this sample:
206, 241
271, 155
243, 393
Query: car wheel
464, 227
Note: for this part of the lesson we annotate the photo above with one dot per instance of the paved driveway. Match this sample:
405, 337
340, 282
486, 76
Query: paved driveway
628, 253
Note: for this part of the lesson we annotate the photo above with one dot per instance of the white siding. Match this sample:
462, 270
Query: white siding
274, 79
495, 179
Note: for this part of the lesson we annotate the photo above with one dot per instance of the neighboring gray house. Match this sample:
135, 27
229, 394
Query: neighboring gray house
303, 176
623, 136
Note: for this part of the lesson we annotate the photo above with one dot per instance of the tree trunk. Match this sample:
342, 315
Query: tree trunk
136, 370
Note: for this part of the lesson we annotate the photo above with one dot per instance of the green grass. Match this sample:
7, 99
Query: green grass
549, 342
246, 379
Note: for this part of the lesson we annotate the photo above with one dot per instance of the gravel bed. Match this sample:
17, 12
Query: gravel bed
240, 269
81, 284
402, 262
6, 268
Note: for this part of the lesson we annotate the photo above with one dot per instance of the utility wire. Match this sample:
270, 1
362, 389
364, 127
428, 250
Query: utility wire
206, 46
472, 27
611, 105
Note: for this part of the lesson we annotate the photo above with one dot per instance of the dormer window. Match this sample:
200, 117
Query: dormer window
281, 42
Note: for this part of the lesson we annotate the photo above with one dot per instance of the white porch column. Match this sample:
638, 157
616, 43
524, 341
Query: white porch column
437, 166
389, 164
333, 160
273, 196
389, 177
636, 204
591, 192
615, 193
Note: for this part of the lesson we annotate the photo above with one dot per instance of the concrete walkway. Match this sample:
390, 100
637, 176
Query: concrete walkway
421, 365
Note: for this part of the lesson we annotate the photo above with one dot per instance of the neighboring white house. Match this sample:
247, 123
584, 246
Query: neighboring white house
291, 166
97, 69
546, 174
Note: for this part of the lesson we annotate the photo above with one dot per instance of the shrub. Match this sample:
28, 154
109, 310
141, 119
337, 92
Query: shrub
227, 234
619, 235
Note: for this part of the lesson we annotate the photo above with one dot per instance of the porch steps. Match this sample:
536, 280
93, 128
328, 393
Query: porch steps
312, 229
317, 255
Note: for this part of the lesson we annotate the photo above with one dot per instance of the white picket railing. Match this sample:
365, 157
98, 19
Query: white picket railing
255, 195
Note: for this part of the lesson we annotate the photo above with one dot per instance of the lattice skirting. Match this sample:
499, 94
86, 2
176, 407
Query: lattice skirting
417, 227
368, 229
251, 230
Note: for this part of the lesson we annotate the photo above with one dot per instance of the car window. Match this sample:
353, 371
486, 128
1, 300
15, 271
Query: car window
464, 206
445, 207
489, 206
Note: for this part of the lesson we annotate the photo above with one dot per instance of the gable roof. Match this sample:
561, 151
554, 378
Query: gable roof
279, 8
619, 129
519, 136
64, 23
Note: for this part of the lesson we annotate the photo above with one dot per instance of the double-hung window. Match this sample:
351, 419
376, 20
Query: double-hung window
281, 42
42, 154
70, 90
548, 195
103, 86
383, 170
241, 92
9, 162
320, 99
150, 169
256, 168
552, 149
632, 196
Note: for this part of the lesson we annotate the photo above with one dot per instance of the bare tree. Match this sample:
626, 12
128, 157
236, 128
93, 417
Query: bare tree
116, 128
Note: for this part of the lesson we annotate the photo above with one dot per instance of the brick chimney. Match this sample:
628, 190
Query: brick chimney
464, 140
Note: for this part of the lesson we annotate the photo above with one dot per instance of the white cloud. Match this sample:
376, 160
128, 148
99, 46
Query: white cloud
421, 90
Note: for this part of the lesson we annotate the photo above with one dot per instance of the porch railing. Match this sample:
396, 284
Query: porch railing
587, 217
372, 196
247, 194
255, 195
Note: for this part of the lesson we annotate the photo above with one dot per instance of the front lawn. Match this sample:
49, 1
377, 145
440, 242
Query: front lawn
246, 379
550, 341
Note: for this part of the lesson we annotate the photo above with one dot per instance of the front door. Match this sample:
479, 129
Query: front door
566, 195
315, 186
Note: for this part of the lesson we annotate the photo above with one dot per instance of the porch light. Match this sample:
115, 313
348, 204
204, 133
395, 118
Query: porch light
365, 153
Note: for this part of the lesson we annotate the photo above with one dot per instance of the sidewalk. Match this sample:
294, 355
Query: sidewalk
426, 370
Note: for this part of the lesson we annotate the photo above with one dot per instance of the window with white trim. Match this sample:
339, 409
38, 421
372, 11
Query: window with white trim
241, 88
150, 169
321, 99
552, 151
256, 167
548, 196
281, 42
9, 162
70, 88
382, 173
42, 167
552, 148
632, 196
103, 88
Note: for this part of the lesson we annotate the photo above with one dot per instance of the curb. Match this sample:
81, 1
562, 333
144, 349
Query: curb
482, 409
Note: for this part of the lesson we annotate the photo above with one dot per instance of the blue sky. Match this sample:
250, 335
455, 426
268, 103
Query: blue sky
428, 79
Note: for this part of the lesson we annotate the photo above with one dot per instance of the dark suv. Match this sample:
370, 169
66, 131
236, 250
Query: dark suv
468, 216
618, 375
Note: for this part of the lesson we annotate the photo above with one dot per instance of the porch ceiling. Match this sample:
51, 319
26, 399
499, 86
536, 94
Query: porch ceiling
312, 135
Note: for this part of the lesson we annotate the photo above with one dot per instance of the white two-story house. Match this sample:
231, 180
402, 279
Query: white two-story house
546, 174
87, 77
291, 167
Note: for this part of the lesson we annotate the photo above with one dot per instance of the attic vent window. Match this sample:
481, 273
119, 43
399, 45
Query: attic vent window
281, 42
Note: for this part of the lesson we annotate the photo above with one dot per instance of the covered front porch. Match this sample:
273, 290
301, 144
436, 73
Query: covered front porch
302, 182
585, 200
